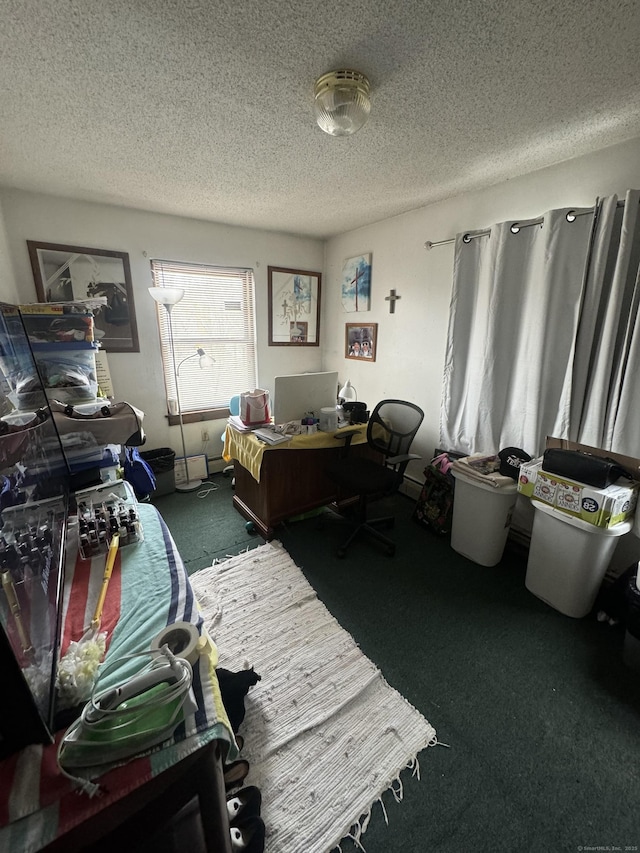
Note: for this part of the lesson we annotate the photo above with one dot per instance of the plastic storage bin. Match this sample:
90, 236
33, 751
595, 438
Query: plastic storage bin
162, 462
481, 518
68, 372
48, 322
568, 559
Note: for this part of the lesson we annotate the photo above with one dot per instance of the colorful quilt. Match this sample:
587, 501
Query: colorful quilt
149, 590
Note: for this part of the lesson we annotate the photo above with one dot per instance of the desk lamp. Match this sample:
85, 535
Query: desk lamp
168, 297
347, 394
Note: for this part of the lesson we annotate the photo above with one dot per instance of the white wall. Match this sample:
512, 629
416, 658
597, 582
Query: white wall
8, 289
137, 377
411, 342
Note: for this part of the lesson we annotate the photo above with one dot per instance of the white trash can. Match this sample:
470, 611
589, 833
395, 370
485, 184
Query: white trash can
481, 518
568, 559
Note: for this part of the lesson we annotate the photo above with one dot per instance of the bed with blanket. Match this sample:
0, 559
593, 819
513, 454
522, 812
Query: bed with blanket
149, 590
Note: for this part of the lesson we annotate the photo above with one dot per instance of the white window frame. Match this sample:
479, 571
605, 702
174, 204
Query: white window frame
217, 315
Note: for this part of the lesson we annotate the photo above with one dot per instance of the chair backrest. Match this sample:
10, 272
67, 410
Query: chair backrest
234, 405
392, 427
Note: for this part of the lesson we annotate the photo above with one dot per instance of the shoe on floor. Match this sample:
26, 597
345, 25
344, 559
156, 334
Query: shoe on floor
235, 773
248, 836
245, 803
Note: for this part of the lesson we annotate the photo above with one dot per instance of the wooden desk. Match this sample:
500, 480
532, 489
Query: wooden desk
292, 481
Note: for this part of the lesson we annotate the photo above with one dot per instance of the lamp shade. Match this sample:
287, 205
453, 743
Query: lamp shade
347, 393
342, 102
167, 295
205, 360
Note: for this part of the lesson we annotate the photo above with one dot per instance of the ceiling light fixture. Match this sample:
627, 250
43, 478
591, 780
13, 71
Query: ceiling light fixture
342, 102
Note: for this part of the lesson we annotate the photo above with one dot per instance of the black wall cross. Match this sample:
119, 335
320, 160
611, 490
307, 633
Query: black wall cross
391, 299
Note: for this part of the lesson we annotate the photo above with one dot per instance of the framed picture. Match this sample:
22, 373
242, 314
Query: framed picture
298, 332
294, 307
361, 341
70, 273
356, 283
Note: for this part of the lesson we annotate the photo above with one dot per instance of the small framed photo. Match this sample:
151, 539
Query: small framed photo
72, 273
298, 332
294, 307
361, 341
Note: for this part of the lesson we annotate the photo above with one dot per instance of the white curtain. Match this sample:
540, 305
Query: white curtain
524, 330
605, 410
544, 336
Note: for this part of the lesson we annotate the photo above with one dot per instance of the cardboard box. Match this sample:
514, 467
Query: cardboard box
545, 488
528, 476
600, 507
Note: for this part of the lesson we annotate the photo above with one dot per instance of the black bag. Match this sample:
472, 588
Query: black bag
434, 508
582, 467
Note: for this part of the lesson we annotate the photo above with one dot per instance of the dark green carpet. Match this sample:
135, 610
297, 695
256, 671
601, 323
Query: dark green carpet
205, 528
540, 713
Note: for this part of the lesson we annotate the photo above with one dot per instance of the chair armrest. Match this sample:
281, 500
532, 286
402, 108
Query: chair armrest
347, 436
405, 457
346, 433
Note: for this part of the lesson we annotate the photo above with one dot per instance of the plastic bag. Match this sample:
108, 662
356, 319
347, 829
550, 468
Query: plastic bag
138, 472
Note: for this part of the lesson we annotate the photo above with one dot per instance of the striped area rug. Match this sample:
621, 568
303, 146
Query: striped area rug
325, 735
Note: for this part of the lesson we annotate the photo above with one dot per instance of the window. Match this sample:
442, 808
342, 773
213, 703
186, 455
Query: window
217, 314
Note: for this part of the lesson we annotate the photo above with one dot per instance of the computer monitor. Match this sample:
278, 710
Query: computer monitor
299, 393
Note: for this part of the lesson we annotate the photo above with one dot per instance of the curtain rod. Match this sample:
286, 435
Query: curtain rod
571, 215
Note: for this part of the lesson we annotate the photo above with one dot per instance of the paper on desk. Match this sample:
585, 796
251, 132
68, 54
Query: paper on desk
237, 423
270, 436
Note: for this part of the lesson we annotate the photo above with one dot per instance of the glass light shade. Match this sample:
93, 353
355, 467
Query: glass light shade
167, 295
342, 102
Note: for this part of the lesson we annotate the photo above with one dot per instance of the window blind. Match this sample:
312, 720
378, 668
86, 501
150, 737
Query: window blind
217, 313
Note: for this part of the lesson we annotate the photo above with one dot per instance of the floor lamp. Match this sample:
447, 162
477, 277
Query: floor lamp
169, 297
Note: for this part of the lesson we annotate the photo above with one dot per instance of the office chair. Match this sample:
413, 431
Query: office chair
234, 409
390, 431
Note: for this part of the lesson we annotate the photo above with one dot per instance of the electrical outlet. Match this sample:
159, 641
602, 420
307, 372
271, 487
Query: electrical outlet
205, 435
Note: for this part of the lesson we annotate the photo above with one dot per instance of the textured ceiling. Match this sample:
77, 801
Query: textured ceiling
204, 108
